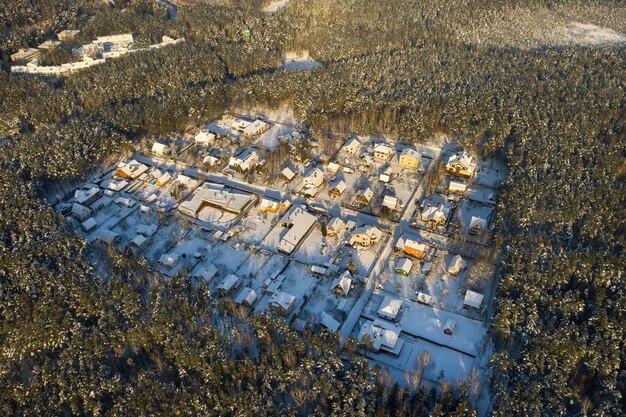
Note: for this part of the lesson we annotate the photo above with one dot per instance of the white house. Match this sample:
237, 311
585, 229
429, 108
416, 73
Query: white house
366, 236
365, 195
457, 187
207, 273
337, 188
299, 223
287, 173
335, 226
389, 308
351, 147
89, 224
380, 336
282, 303
315, 178
169, 260
230, 283
391, 202
383, 152
473, 299
247, 297
160, 149
204, 138
255, 128
404, 266
342, 285
81, 212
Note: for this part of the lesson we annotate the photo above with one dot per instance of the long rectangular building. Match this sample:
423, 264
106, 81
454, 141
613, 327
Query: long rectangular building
218, 196
299, 223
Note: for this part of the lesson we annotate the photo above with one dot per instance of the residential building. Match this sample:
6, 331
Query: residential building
461, 164
49, 45
414, 248
383, 152
89, 225
160, 149
435, 216
410, 158
365, 196
247, 297
342, 285
164, 179
366, 236
206, 273
169, 260
287, 174
351, 147
403, 266
81, 212
391, 203
389, 308
26, 55
131, 169
335, 226
300, 224
218, 196
477, 226
333, 167
314, 178
473, 299
68, 35
246, 160
230, 283
204, 138
456, 265
457, 187
337, 189
380, 336
255, 128
87, 195
267, 205
282, 303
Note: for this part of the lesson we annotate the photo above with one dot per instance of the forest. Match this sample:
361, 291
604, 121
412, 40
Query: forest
74, 342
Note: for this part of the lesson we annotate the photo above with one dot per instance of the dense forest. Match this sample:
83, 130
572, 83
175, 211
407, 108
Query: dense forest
74, 342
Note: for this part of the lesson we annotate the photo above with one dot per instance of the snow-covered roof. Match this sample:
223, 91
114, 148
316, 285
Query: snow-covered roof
478, 222
382, 148
411, 153
366, 193
390, 202
456, 264
380, 334
85, 194
352, 145
301, 222
333, 167
389, 307
335, 223
205, 137
216, 195
413, 244
255, 128
159, 148
437, 214
329, 322
404, 265
164, 179
169, 259
247, 295
371, 231
89, 224
473, 299
210, 160
282, 299
314, 177
229, 282
424, 298
457, 186
138, 240
206, 272
339, 186
343, 283
288, 173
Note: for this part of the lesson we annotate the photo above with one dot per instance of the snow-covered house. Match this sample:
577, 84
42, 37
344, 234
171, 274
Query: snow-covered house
389, 308
315, 178
456, 265
414, 248
210, 160
204, 138
299, 223
337, 188
206, 273
287, 173
247, 297
267, 205
230, 283
435, 216
164, 179
335, 226
403, 266
380, 336
461, 164
366, 236
255, 128
160, 149
391, 202
383, 152
89, 224
457, 187
131, 169
169, 260
410, 158
365, 195
81, 212
327, 321
333, 167
477, 225
473, 299
87, 194
138, 241
342, 285
282, 303
351, 147
246, 160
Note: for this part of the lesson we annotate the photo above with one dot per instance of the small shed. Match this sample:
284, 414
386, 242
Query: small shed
473, 299
403, 266
456, 265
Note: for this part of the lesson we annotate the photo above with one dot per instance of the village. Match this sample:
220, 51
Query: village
379, 241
